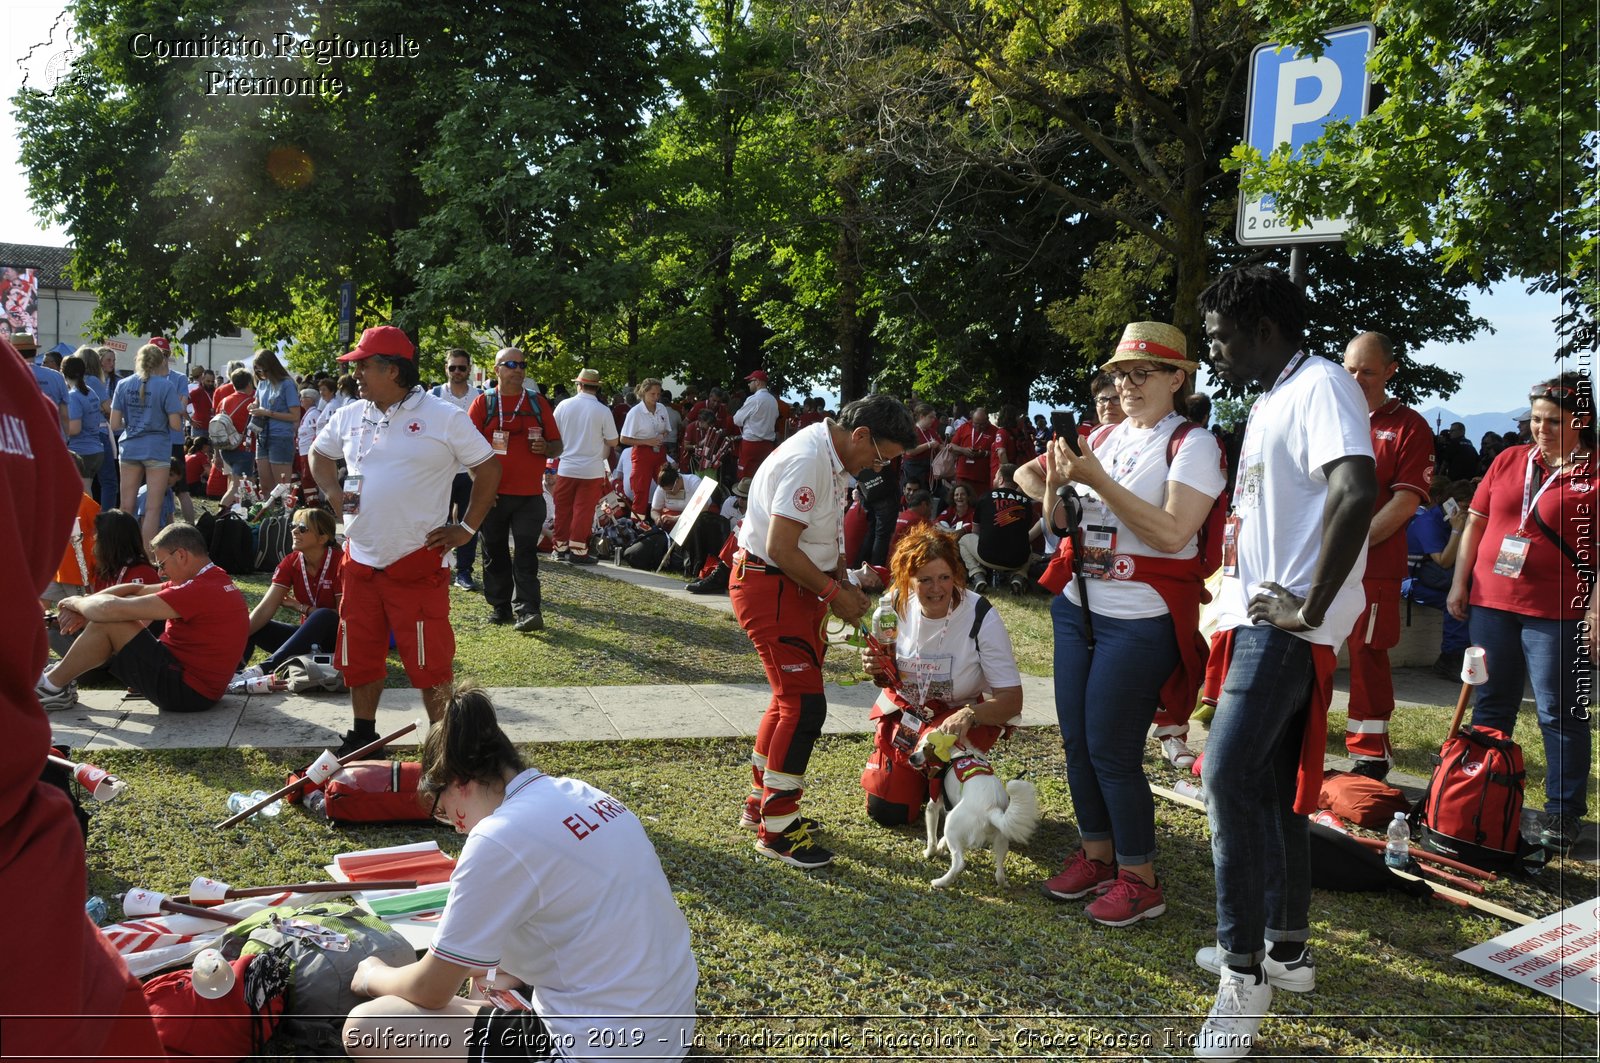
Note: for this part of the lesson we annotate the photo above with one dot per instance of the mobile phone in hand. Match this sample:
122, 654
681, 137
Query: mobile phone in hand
1065, 426
1451, 508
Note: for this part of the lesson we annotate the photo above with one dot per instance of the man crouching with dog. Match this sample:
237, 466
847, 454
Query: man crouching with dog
954, 675
788, 574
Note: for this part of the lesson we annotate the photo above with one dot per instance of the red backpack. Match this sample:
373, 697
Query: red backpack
1473, 808
228, 1028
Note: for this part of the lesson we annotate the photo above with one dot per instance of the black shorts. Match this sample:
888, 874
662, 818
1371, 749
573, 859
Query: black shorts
150, 668
498, 1034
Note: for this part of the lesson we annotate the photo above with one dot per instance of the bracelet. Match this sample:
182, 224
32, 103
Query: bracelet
1309, 626
830, 592
464, 526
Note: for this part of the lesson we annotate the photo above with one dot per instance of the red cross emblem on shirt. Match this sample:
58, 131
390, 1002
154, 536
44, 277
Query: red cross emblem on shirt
804, 499
413, 428
1122, 567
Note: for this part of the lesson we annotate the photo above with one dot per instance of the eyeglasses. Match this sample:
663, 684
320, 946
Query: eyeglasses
301, 528
881, 460
163, 562
458, 368
1137, 376
1107, 400
1552, 391
434, 811
511, 365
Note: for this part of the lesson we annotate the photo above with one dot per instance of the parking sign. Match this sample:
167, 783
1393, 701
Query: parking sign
1290, 99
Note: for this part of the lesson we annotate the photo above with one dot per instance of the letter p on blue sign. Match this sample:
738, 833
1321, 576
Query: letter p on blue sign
1290, 99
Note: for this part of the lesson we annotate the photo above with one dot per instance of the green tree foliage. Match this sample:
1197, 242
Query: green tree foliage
1482, 146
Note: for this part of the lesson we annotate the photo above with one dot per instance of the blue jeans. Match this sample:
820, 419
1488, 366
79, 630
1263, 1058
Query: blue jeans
1455, 638
1104, 703
1260, 846
1550, 655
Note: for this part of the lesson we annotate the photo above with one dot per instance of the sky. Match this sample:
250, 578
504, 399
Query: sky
1496, 367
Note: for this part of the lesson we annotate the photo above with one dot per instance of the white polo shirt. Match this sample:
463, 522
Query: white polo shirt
758, 417
643, 424
464, 403
561, 888
805, 481
659, 499
406, 459
587, 431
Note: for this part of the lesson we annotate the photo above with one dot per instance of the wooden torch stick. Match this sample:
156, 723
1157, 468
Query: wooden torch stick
304, 887
170, 905
284, 791
1423, 856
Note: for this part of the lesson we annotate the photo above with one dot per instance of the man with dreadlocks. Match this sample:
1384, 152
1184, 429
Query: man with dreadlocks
1293, 554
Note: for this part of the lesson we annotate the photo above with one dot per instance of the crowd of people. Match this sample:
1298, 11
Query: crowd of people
1320, 516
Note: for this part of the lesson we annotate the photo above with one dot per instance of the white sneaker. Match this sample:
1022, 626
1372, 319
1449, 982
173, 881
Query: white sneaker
1231, 1025
1297, 976
64, 698
1177, 751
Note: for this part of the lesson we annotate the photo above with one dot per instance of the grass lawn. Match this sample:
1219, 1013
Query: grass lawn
865, 953
604, 632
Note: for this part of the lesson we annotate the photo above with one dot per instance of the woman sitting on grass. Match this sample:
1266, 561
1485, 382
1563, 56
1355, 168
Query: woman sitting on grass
558, 890
119, 555
957, 672
308, 580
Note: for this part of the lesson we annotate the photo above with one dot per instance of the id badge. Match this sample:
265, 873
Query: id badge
499, 442
1513, 554
352, 496
1099, 543
1230, 547
907, 731
535, 437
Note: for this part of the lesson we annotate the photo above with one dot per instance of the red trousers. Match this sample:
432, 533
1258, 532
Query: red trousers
575, 502
752, 452
785, 624
647, 461
1371, 684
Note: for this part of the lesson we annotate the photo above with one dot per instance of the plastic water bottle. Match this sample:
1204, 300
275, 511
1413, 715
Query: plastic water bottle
316, 803
885, 623
238, 802
1397, 853
95, 908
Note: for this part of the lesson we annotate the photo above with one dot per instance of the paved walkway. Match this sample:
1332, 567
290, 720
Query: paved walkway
111, 719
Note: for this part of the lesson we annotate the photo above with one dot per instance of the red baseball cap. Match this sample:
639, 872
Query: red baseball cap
162, 342
759, 374
382, 339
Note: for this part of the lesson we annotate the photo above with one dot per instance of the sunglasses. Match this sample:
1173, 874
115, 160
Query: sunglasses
302, 528
458, 368
1553, 391
511, 365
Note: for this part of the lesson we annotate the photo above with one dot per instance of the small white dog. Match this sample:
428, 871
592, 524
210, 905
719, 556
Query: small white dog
982, 812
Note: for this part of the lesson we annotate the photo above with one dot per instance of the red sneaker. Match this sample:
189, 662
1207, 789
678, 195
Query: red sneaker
1127, 901
1080, 877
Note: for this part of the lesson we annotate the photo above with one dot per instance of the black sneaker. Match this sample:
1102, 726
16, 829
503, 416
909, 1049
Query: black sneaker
1371, 769
533, 621
353, 742
583, 559
562, 555
502, 615
1558, 831
715, 583
794, 847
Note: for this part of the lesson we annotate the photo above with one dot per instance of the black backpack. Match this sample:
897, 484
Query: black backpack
273, 538
233, 548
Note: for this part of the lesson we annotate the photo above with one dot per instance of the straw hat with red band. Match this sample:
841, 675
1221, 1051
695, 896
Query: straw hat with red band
386, 340
1153, 341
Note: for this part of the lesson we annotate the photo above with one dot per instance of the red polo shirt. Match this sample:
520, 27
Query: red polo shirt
521, 470
974, 469
1402, 444
317, 587
1547, 587
211, 629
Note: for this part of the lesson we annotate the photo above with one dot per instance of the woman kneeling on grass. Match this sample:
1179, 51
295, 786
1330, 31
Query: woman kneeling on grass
559, 891
957, 673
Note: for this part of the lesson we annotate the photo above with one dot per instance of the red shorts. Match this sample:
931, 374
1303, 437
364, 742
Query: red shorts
410, 598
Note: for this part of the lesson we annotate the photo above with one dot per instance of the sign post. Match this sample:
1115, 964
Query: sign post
347, 313
1291, 98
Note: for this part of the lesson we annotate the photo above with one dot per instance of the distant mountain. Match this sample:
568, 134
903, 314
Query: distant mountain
1477, 423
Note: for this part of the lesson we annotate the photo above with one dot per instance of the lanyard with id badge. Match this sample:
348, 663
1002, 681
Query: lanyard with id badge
353, 481
1513, 553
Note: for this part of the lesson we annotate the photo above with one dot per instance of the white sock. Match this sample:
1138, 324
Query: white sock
49, 687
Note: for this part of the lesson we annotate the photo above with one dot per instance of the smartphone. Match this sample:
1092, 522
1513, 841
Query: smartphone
1065, 426
1451, 508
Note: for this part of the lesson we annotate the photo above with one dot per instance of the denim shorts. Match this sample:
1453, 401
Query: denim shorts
147, 463
240, 462
277, 448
